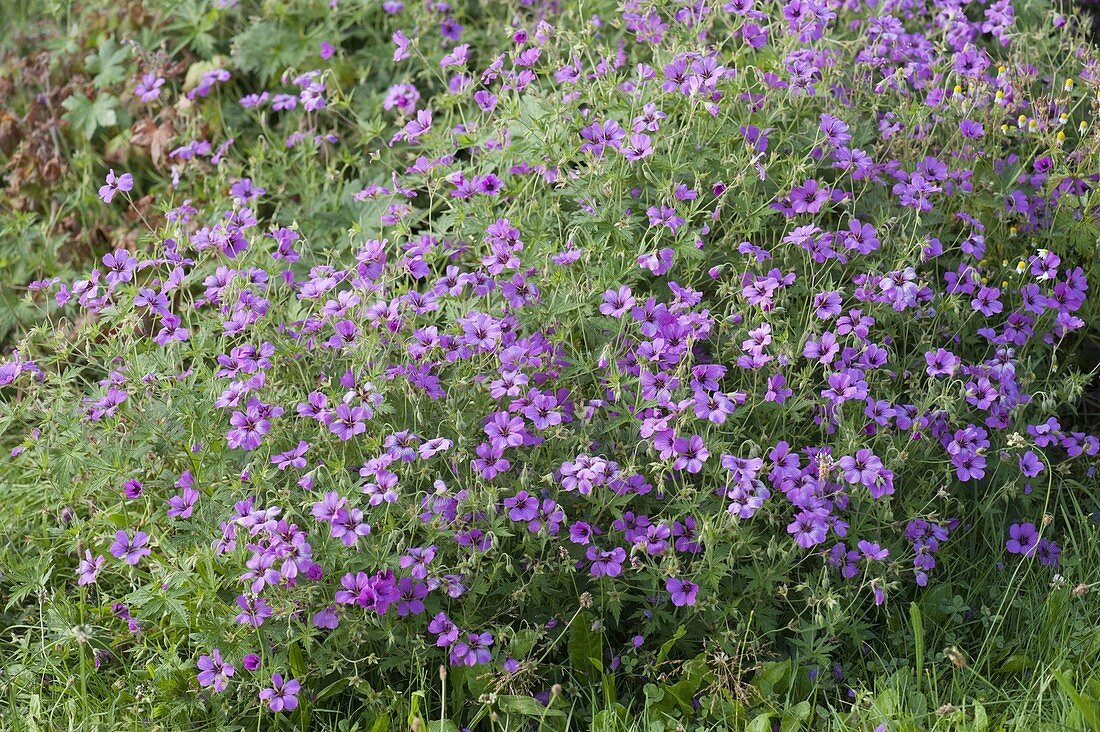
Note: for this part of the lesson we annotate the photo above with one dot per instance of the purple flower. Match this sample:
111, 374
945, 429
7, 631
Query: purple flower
808, 529
522, 506
617, 302
444, 629
254, 610
1030, 464
89, 567
346, 422
986, 302
251, 661
132, 489
543, 411
472, 651
683, 592
971, 130
872, 551
130, 550
281, 696
606, 563
213, 671
1023, 539
1049, 553
808, 197
941, 362
415, 128
292, 458
124, 183
182, 505
148, 88
691, 453
639, 146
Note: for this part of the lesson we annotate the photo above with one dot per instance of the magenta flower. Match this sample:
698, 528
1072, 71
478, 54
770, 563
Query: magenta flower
415, 128
130, 550
124, 183
213, 671
682, 592
606, 563
281, 696
346, 422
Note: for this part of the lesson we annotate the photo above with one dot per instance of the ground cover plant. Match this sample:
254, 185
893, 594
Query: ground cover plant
549, 365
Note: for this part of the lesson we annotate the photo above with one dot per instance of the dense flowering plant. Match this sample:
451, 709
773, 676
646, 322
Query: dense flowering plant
646, 343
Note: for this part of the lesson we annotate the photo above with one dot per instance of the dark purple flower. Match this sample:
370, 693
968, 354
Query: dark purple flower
1023, 539
682, 591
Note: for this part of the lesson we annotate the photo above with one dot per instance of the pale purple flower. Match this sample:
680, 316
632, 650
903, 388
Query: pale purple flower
148, 88
89, 567
114, 184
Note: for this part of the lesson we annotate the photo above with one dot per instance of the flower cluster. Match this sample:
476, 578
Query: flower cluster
637, 343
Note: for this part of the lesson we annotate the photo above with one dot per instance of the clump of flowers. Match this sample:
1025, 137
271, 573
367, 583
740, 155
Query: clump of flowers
638, 346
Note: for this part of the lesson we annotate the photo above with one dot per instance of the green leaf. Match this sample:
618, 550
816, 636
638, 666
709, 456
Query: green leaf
332, 689
87, 116
584, 645
108, 65
297, 663
918, 639
666, 647
761, 723
442, 725
981, 719
795, 717
526, 705
1087, 707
